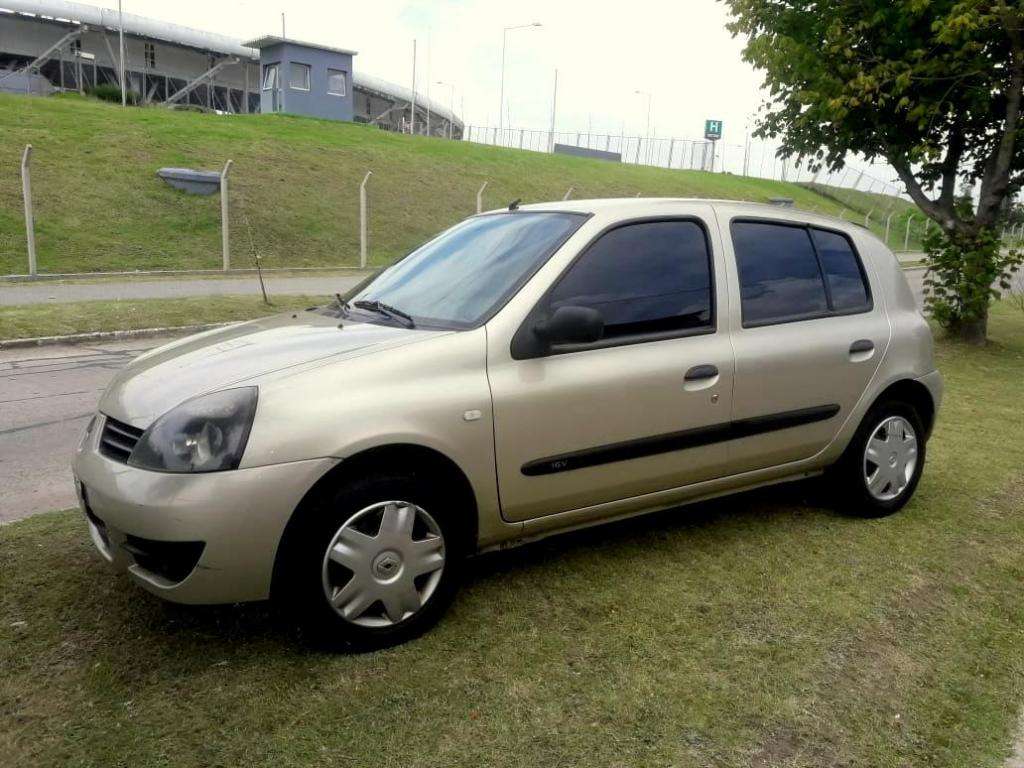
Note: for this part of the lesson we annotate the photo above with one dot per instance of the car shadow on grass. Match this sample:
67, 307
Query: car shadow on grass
727, 515
252, 628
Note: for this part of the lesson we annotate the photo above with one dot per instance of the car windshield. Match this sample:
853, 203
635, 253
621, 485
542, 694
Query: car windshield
461, 277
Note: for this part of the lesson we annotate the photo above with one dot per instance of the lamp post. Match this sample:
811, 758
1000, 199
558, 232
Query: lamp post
501, 89
120, 53
648, 131
451, 106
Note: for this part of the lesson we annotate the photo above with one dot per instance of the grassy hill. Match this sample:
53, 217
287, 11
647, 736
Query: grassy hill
99, 205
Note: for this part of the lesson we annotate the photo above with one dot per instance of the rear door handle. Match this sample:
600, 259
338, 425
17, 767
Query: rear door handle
862, 345
701, 372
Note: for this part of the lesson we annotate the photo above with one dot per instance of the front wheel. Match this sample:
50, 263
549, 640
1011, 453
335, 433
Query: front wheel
373, 563
882, 465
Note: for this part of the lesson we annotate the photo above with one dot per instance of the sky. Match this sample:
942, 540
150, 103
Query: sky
676, 50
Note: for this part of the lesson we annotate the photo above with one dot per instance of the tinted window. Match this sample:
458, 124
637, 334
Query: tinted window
457, 279
779, 275
842, 270
643, 278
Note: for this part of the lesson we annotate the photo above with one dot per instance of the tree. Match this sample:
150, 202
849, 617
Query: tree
932, 86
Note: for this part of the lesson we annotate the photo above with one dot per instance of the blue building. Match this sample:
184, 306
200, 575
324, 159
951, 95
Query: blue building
304, 78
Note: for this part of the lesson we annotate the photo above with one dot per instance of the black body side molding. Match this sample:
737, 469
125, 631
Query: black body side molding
678, 441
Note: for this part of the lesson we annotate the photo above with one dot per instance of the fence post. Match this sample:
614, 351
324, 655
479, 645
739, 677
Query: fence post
906, 237
26, 191
568, 193
480, 198
867, 218
225, 233
362, 219
888, 222
671, 151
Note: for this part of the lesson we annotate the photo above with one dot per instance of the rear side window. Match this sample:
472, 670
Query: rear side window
779, 275
792, 273
842, 271
649, 277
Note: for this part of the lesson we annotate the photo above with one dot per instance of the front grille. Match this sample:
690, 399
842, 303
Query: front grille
118, 439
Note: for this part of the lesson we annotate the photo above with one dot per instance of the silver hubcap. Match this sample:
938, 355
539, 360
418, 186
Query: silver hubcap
890, 458
383, 564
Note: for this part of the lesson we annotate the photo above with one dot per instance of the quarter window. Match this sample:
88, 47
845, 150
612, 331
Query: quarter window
336, 82
650, 277
299, 76
842, 271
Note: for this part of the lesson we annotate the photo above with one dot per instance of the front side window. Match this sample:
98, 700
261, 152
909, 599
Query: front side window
270, 77
464, 275
336, 82
299, 76
650, 277
779, 275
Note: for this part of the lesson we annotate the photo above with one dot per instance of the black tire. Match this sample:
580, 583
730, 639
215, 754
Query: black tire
298, 582
849, 482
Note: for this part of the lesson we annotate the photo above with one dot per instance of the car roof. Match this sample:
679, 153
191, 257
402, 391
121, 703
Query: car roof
653, 206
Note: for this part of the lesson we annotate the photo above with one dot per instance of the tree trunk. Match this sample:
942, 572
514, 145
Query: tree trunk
972, 331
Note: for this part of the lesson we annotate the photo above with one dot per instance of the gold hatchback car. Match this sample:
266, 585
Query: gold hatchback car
527, 372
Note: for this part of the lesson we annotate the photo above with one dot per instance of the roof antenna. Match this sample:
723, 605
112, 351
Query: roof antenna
514, 205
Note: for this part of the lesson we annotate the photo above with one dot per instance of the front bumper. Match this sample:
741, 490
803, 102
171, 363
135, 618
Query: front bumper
221, 529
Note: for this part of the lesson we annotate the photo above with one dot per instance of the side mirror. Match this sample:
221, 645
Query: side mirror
571, 325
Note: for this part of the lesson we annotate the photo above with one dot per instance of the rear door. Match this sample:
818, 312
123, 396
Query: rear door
809, 334
637, 411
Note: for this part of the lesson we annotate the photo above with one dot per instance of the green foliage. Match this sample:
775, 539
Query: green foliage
112, 93
962, 270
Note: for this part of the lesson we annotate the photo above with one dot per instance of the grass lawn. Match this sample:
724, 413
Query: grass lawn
294, 186
24, 321
762, 630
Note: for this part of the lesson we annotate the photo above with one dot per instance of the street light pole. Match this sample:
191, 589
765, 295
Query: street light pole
554, 104
120, 44
648, 131
451, 106
501, 88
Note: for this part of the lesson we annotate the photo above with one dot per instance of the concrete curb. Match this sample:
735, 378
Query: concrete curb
85, 338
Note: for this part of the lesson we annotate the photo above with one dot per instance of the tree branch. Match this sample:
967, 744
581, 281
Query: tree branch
945, 217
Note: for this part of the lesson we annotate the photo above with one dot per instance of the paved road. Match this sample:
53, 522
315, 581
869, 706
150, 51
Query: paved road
47, 292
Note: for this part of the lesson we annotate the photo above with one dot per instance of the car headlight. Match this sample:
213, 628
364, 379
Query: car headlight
205, 434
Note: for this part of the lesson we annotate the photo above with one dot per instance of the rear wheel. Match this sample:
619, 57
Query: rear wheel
881, 467
373, 563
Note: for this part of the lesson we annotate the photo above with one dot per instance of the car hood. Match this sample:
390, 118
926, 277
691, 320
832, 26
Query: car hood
160, 379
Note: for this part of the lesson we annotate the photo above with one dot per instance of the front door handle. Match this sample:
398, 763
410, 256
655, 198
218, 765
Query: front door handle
701, 372
862, 345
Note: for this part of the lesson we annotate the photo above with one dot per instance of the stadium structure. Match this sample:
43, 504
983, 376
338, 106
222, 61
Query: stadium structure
53, 45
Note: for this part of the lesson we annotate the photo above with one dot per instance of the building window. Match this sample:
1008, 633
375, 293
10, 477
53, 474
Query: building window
150, 55
270, 77
299, 78
336, 82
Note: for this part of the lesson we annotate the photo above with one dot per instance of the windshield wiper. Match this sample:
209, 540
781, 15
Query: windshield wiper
385, 309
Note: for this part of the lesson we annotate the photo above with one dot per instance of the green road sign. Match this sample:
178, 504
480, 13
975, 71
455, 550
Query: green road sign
713, 129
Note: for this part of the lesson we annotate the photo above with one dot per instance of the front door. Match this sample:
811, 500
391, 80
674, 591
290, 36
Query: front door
637, 411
